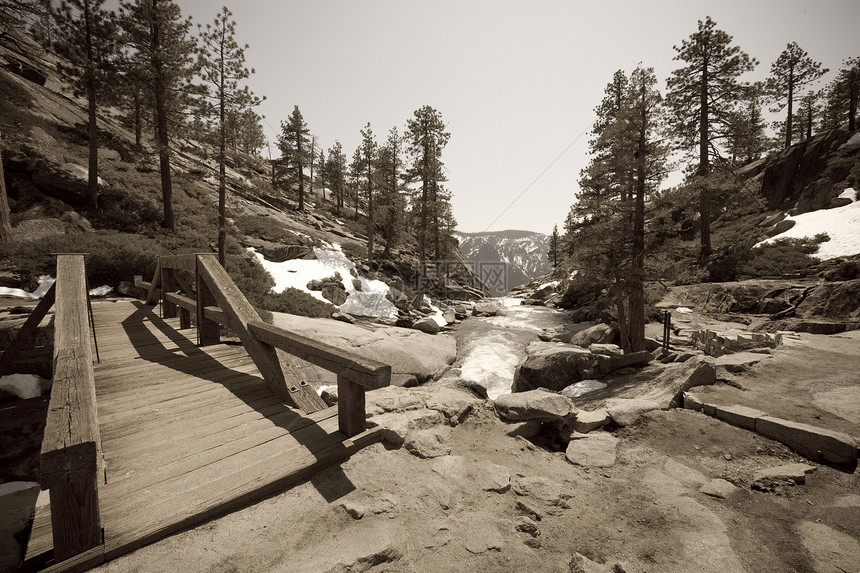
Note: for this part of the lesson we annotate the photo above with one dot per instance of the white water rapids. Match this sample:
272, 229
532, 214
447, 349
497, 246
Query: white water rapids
489, 348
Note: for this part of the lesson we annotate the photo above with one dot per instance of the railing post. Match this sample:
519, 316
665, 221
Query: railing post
208, 331
667, 329
168, 284
350, 407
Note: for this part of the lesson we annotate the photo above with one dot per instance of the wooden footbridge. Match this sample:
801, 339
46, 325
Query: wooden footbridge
170, 427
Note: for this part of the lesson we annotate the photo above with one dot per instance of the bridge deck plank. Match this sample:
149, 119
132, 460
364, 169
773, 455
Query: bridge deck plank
189, 433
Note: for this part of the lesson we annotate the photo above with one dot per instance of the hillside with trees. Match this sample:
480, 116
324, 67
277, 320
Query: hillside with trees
133, 134
626, 231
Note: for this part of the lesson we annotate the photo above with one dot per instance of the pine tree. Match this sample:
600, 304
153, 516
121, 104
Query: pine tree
700, 96
554, 247
365, 167
426, 138
842, 95
335, 173
391, 202
87, 38
747, 139
322, 172
294, 143
221, 65
161, 53
606, 227
792, 70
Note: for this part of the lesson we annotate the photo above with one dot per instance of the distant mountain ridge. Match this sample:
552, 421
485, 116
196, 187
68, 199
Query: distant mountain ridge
521, 255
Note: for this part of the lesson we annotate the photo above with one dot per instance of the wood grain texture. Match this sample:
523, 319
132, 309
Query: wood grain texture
71, 459
363, 371
189, 434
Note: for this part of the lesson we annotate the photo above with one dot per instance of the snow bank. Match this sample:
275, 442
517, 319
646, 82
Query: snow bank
842, 225
21, 385
297, 273
45, 283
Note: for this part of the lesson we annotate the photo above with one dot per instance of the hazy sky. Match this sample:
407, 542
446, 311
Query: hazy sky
516, 82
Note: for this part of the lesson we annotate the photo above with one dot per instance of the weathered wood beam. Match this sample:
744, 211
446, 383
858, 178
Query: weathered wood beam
179, 262
362, 371
208, 331
153, 296
71, 448
275, 365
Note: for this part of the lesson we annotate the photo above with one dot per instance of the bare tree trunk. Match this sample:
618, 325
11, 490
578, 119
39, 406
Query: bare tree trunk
162, 138
5, 223
704, 168
93, 180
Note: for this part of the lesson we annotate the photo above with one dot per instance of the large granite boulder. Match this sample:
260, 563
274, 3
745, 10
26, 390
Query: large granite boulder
408, 351
67, 181
534, 405
554, 366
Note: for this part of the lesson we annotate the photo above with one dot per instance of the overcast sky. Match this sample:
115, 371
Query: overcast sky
515, 81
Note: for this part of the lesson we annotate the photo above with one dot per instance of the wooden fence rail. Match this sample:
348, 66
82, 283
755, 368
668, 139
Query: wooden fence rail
71, 461
218, 301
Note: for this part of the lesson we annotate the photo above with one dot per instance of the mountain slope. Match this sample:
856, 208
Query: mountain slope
506, 259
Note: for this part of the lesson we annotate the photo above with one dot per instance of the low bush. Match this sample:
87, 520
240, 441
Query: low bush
784, 257
295, 301
111, 256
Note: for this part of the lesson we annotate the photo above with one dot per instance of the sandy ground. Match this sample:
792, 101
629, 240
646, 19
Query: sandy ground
498, 503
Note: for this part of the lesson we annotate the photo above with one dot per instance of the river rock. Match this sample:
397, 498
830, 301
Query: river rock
553, 366
719, 488
429, 443
597, 334
534, 405
486, 308
788, 475
626, 412
586, 420
408, 351
594, 450
427, 324
396, 426
606, 349
667, 388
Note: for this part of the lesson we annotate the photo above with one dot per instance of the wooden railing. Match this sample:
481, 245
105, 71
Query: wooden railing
71, 460
217, 300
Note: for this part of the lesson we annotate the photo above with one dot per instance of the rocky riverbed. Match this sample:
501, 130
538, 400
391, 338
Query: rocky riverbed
461, 483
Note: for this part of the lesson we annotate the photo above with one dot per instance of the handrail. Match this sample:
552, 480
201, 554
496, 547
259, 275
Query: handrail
220, 302
71, 460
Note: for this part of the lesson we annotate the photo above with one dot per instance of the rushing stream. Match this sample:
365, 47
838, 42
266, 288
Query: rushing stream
489, 348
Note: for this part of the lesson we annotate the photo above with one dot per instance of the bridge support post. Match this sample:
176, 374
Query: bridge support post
350, 407
208, 331
168, 284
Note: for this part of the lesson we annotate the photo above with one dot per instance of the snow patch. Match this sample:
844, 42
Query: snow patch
841, 224
103, 290
297, 273
45, 283
21, 385
684, 310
